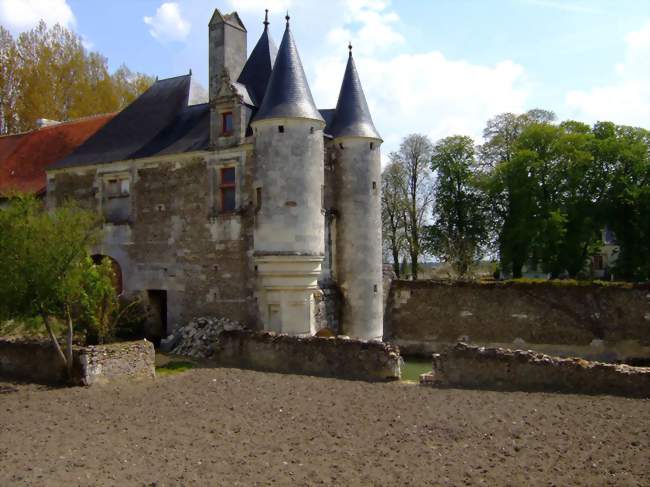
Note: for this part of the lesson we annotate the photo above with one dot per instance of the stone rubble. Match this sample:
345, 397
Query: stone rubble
199, 337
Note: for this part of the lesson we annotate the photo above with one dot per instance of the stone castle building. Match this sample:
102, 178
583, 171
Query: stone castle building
256, 206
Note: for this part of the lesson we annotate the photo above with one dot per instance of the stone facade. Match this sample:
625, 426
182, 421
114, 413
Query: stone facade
245, 226
504, 369
596, 322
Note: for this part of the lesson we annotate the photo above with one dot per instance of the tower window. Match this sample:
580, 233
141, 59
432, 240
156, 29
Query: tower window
258, 199
311, 130
372, 145
228, 189
226, 123
281, 129
374, 185
341, 146
374, 288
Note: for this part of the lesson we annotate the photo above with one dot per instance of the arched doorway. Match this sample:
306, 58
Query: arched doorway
117, 271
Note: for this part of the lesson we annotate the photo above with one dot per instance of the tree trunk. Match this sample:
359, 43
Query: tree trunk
69, 346
396, 262
55, 342
414, 266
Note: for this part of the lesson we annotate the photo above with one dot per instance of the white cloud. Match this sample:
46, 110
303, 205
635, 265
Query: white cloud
168, 23
21, 15
627, 100
260, 5
369, 24
427, 93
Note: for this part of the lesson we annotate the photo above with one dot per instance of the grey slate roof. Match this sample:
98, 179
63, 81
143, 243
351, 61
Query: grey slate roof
157, 122
257, 71
352, 117
287, 94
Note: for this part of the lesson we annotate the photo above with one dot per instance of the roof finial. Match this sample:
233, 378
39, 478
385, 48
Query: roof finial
287, 18
190, 71
266, 19
350, 47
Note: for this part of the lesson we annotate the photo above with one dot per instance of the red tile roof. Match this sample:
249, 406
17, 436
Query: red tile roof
24, 157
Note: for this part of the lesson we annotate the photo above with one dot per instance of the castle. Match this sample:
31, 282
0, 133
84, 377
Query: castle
256, 206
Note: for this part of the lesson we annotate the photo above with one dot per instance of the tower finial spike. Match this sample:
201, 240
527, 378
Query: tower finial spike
350, 47
266, 19
287, 18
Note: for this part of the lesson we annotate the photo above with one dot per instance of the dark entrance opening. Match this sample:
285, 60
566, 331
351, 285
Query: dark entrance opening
156, 326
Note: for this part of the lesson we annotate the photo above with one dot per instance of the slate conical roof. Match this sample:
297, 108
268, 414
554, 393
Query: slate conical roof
257, 71
352, 117
287, 94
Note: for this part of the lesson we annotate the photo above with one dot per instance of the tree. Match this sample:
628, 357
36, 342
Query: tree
459, 230
624, 152
46, 266
47, 73
393, 184
414, 158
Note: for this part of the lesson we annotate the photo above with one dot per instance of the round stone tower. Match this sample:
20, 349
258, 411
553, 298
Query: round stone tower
358, 205
289, 226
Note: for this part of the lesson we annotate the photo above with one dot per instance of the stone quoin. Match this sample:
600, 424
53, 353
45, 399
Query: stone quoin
257, 206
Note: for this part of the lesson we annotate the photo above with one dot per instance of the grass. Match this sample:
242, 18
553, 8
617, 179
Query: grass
174, 367
412, 369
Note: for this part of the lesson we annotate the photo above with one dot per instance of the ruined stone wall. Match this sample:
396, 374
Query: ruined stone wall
498, 368
101, 364
330, 357
37, 361
591, 321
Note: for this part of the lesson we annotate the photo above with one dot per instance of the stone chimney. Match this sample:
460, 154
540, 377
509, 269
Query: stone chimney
227, 49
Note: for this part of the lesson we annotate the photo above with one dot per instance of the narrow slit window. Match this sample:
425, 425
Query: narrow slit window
258, 199
372, 145
281, 129
374, 185
228, 190
226, 123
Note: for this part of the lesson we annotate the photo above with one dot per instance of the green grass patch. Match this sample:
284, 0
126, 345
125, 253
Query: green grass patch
412, 369
174, 367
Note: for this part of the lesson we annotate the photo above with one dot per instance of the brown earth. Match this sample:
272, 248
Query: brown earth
233, 427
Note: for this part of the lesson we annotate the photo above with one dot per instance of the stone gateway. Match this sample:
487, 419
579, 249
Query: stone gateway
256, 206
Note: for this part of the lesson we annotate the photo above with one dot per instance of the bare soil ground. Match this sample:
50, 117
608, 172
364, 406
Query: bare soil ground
234, 427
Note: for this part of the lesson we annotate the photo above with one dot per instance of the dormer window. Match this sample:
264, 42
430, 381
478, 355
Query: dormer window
226, 123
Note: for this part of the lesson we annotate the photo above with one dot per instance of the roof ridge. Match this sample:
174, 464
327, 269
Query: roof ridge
58, 124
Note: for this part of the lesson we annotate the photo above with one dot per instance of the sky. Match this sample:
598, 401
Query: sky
438, 67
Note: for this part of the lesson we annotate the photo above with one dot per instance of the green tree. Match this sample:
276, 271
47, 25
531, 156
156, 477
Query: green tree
460, 229
413, 159
624, 152
46, 267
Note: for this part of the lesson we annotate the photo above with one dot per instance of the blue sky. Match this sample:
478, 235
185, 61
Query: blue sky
438, 67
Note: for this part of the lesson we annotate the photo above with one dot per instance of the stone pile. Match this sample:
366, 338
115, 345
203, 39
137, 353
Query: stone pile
199, 337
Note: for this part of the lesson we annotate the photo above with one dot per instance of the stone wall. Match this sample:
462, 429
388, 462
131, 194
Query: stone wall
37, 361
118, 361
331, 357
598, 322
177, 240
504, 369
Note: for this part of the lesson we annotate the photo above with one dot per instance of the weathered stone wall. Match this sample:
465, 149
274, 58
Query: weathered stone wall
118, 361
177, 239
37, 361
358, 235
498, 368
331, 357
591, 321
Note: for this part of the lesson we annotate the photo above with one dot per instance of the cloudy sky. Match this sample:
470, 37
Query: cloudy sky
439, 67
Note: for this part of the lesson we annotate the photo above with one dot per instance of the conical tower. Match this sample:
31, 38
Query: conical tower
289, 227
258, 68
358, 204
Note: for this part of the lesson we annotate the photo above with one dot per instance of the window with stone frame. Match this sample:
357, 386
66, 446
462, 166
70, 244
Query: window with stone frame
228, 189
116, 198
227, 126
